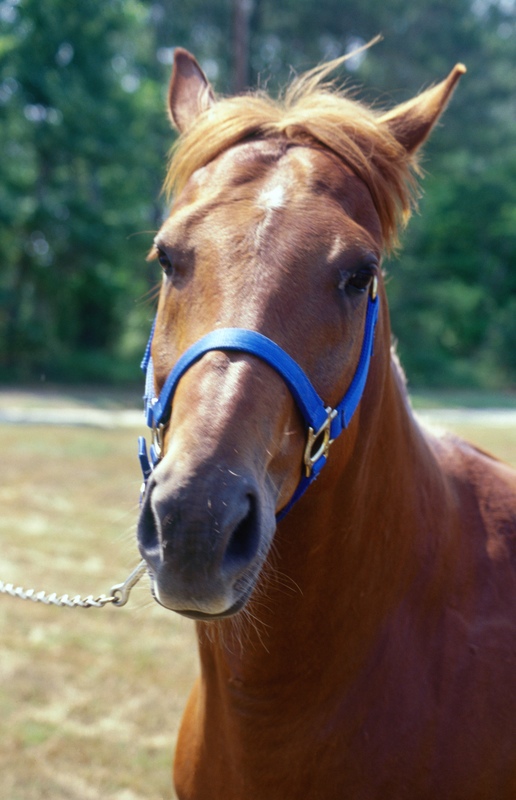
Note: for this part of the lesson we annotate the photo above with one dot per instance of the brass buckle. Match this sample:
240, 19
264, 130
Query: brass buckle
310, 457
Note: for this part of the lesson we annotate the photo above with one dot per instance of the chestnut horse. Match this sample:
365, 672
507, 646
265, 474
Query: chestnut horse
362, 645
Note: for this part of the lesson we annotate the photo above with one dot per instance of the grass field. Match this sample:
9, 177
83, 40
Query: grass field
90, 700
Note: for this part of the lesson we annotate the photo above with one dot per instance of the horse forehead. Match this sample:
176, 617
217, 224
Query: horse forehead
282, 172
274, 179
272, 174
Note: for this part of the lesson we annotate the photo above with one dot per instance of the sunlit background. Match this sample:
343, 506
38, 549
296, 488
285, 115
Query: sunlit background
84, 140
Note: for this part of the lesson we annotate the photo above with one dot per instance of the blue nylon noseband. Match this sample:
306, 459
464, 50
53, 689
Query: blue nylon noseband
324, 424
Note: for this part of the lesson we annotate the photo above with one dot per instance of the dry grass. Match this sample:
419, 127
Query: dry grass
90, 700
499, 441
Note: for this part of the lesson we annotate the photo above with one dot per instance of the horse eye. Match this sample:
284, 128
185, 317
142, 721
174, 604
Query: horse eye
164, 262
359, 281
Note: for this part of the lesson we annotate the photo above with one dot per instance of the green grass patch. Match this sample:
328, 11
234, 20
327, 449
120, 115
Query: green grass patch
35, 733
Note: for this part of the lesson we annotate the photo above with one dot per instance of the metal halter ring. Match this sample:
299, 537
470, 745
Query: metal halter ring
157, 439
310, 458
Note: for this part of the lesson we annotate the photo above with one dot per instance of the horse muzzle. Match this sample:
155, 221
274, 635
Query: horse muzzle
205, 534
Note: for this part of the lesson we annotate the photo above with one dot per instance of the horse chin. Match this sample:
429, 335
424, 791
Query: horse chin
201, 616
206, 614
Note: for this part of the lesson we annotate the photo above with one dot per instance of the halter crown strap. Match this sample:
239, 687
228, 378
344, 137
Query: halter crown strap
324, 423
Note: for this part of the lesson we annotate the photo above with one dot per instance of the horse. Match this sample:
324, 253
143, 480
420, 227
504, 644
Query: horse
356, 633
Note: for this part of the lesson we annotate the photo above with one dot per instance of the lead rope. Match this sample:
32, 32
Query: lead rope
118, 594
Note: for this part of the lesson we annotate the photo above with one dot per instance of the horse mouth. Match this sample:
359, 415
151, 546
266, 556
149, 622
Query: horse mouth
201, 616
205, 616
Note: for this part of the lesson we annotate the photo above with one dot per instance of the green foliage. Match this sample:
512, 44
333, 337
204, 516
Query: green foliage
453, 292
79, 176
84, 138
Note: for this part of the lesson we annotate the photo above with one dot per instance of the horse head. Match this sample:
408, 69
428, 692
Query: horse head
282, 212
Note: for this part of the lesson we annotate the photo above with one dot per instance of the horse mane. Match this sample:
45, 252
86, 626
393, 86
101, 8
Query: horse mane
310, 111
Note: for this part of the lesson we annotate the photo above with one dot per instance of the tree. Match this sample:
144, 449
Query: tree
84, 137
78, 177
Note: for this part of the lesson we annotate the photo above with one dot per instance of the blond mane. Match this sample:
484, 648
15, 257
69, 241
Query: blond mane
310, 111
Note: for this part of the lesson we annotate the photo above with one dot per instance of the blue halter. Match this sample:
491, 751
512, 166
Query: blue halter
324, 424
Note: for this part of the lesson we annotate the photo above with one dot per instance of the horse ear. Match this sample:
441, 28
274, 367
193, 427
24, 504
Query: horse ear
189, 92
411, 122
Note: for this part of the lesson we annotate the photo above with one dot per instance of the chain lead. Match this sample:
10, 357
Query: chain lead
119, 594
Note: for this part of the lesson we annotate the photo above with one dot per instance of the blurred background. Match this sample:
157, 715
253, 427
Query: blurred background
84, 139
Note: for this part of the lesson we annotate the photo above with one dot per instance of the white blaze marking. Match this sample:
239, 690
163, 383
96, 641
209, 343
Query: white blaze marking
272, 198
336, 249
268, 201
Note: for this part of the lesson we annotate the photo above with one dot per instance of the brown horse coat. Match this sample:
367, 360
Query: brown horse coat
375, 655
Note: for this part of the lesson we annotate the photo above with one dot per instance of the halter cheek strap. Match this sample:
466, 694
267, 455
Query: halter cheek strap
323, 423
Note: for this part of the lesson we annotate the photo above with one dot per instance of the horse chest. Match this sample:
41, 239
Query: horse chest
408, 726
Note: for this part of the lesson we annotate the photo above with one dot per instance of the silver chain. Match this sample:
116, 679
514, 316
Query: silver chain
118, 594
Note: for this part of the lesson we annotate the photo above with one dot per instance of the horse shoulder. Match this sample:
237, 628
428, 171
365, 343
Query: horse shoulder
485, 489
483, 525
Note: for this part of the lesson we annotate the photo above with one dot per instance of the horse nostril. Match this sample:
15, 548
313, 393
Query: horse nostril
243, 543
148, 539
